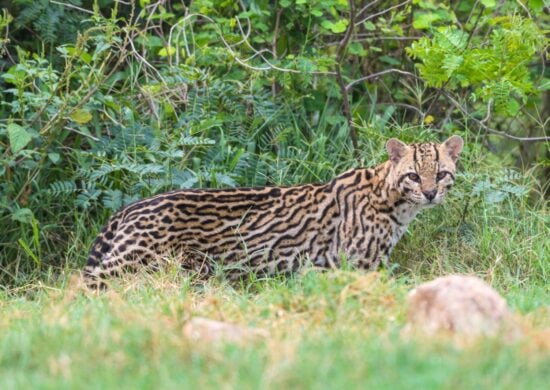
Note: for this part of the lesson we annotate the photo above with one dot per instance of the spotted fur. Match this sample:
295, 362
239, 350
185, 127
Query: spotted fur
360, 215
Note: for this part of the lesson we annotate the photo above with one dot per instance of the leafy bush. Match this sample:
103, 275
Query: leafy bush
496, 68
109, 102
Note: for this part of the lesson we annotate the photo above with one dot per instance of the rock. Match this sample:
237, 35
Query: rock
206, 330
459, 305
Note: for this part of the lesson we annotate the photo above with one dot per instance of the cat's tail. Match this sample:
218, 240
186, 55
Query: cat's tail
94, 271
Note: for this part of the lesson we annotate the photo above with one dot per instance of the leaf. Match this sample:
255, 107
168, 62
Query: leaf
151, 41
357, 49
512, 107
100, 48
23, 215
336, 119
113, 199
81, 116
19, 137
54, 157
14, 75
536, 5
338, 27
389, 60
64, 186
495, 197
370, 26
481, 186
452, 63
457, 38
544, 85
84, 56
29, 251
516, 190
427, 20
489, 3
423, 20
167, 51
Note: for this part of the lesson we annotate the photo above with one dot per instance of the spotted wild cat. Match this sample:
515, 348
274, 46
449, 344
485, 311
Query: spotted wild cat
360, 215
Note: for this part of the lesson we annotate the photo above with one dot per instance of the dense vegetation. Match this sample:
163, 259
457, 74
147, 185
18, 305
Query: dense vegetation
104, 102
107, 102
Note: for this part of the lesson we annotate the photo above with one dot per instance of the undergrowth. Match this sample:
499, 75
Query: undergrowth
337, 329
110, 102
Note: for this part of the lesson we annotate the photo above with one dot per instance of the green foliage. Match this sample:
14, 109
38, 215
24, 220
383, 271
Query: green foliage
495, 68
103, 107
51, 23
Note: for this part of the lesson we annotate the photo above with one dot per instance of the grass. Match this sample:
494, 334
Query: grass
339, 329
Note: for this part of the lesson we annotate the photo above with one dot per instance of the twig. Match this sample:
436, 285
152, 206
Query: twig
366, 7
381, 73
274, 85
524, 8
366, 38
243, 62
370, 17
491, 130
488, 116
82, 133
457, 104
143, 60
346, 110
404, 105
276, 32
72, 6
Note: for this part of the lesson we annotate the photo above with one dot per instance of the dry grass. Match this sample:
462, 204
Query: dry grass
327, 330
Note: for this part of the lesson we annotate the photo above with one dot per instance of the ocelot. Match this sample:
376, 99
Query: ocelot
358, 216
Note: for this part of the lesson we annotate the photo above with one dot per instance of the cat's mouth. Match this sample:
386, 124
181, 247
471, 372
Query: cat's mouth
426, 203
434, 202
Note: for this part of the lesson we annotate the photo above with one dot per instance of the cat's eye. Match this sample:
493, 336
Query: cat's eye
414, 177
441, 175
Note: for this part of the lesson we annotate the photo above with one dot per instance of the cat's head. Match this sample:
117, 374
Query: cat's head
423, 173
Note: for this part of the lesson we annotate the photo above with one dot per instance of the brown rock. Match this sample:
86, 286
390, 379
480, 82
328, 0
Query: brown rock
458, 304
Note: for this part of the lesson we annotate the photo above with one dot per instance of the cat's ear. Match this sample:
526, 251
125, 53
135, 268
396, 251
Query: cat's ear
396, 150
454, 146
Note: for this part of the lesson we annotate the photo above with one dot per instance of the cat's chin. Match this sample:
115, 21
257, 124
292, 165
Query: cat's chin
425, 204
430, 205
433, 203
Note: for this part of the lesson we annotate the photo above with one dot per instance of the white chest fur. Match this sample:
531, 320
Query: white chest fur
404, 214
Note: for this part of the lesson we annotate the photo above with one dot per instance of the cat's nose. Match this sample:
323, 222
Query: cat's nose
430, 195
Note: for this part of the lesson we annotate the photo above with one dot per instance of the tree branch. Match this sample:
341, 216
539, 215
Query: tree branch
366, 7
370, 17
346, 109
491, 130
457, 104
378, 74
